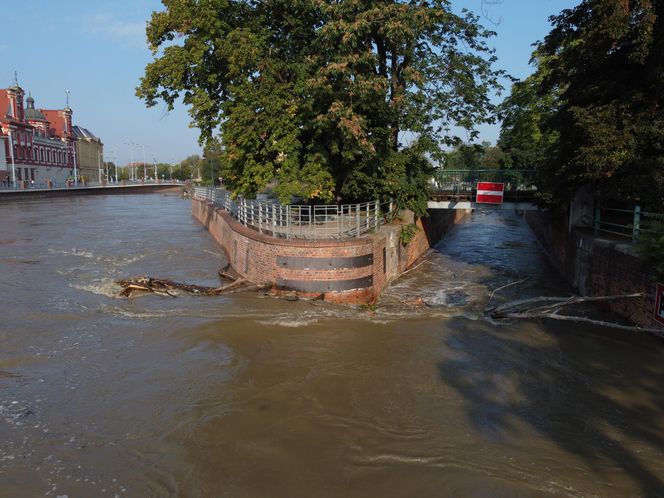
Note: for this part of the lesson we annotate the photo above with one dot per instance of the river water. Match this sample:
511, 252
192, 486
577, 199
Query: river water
251, 396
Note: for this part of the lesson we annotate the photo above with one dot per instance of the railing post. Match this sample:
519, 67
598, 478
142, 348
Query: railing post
287, 221
597, 220
274, 221
311, 226
357, 216
377, 217
260, 217
636, 229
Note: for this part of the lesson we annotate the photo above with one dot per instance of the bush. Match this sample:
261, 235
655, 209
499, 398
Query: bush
650, 247
407, 233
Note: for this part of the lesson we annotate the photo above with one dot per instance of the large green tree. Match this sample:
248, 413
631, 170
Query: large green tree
313, 96
525, 135
605, 60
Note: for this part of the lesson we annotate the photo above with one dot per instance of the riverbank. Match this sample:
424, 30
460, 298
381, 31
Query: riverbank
42, 193
598, 266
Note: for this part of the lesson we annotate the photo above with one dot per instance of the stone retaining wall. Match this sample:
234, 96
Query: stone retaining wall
598, 267
349, 271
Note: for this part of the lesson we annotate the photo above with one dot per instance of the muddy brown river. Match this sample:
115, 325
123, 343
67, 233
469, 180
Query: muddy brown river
251, 396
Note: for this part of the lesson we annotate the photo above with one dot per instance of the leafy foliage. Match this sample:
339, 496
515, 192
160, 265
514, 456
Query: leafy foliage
476, 156
407, 232
524, 136
311, 97
650, 247
593, 114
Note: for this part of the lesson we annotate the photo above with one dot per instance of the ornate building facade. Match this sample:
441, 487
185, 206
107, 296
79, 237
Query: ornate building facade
36, 145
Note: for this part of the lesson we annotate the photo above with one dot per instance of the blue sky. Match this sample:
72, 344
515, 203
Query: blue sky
96, 50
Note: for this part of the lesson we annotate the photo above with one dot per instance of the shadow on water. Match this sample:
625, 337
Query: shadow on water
585, 394
593, 392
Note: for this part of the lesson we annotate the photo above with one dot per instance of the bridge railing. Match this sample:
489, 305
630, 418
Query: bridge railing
628, 223
294, 221
465, 181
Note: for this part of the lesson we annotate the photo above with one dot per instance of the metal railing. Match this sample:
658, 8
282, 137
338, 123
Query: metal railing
293, 221
465, 180
629, 223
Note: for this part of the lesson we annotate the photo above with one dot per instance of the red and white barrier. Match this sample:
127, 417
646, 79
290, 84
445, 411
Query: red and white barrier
490, 192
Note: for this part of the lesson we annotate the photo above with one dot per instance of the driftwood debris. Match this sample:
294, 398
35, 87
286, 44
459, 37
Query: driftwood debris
551, 307
167, 287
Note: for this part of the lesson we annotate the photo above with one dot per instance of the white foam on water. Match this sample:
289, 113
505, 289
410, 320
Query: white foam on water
103, 287
289, 322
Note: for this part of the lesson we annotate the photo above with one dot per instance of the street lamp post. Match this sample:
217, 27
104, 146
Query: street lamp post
115, 163
145, 167
131, 159
99, 166
154, 160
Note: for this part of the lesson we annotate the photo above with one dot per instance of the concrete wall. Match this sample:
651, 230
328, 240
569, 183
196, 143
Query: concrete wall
598, 267
349, 271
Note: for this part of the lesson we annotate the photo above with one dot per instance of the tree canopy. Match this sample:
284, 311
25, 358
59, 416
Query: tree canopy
315, 96
593, 114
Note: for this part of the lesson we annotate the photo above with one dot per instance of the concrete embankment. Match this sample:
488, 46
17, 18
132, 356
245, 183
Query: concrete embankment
597, 266
12, 195
354, 270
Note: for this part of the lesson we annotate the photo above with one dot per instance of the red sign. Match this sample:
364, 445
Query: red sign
659, 303
490, 192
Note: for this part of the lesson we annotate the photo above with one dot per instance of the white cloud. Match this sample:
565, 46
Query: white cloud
131, 34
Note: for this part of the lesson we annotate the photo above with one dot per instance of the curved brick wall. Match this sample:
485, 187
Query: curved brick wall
349, 271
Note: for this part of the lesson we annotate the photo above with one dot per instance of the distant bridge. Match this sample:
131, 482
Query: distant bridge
457, 189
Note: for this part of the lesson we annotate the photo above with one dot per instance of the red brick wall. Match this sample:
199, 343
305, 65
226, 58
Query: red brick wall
431, 230
613, 272
255, 256
597, 267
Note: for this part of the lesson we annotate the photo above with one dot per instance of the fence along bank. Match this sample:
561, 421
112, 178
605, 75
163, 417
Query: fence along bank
344, 253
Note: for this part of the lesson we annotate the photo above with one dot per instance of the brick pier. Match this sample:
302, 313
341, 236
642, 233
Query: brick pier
349, 271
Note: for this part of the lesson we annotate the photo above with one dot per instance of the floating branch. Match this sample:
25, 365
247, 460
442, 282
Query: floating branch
166, 287
550, 307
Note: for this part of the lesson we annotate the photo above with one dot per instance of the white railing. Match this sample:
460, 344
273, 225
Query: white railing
297, 221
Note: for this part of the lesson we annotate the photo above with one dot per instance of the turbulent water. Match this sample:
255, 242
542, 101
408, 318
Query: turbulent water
251, 396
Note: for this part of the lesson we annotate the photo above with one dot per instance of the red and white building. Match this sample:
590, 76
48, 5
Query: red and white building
35, 144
